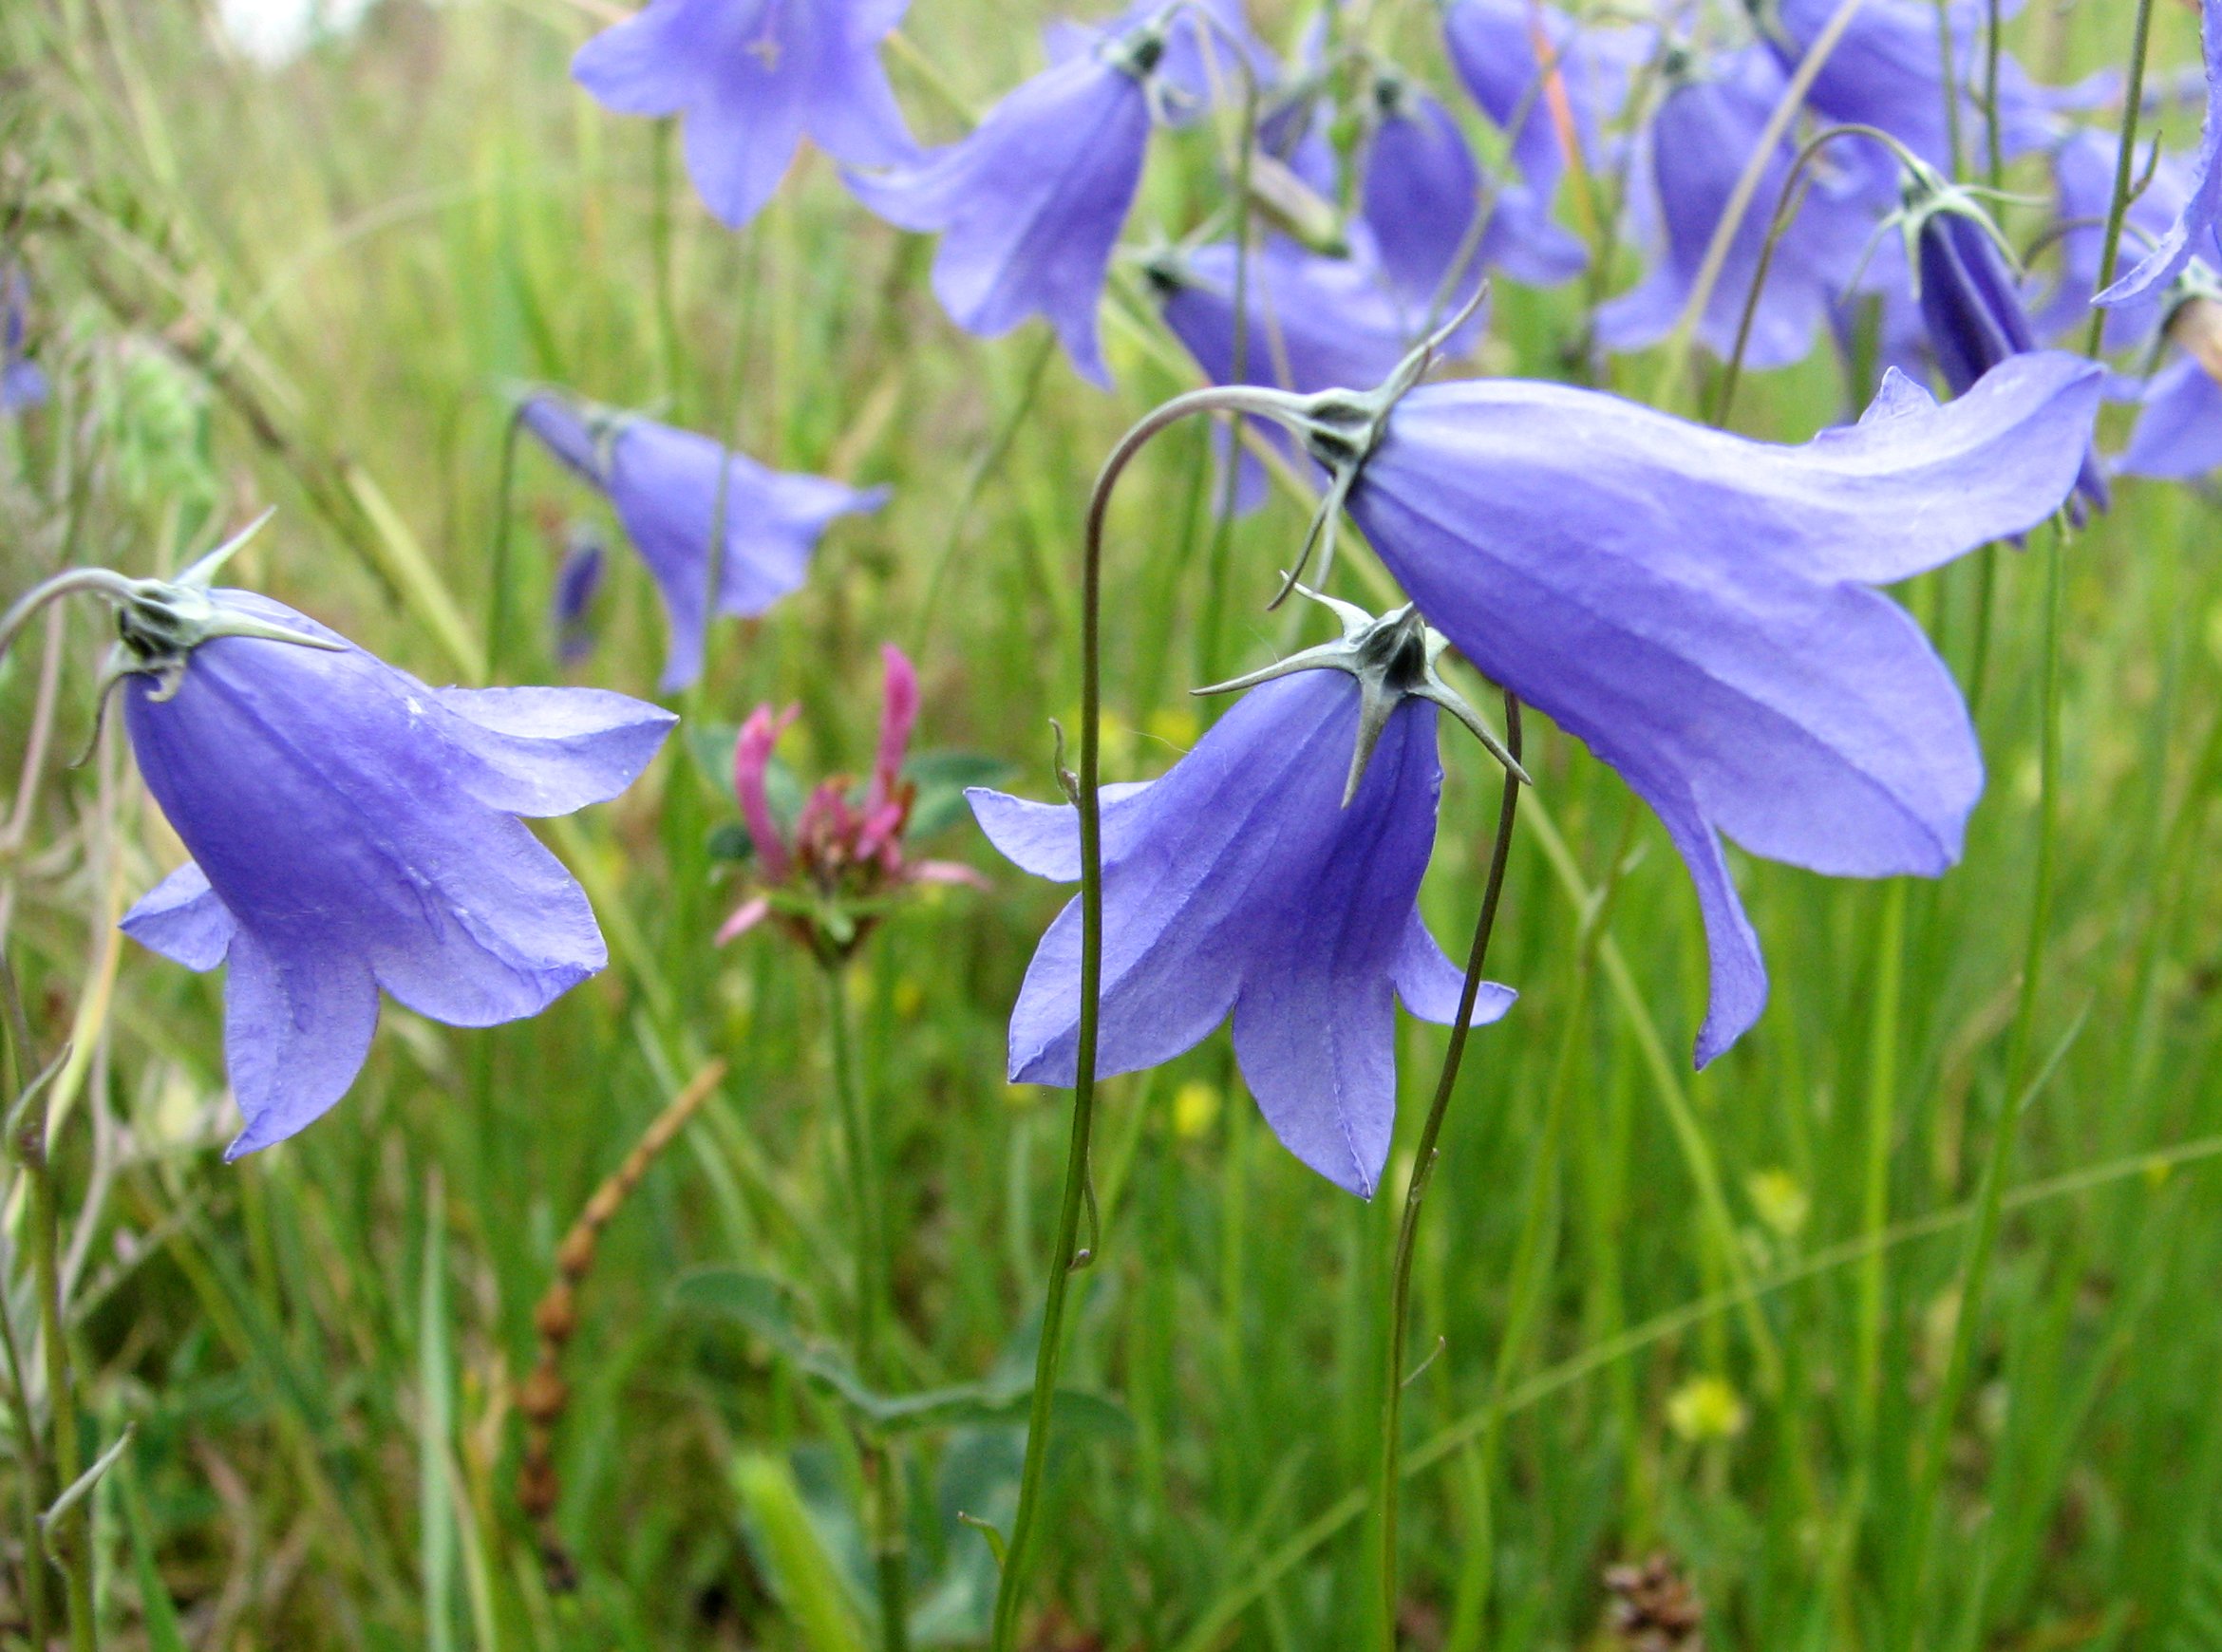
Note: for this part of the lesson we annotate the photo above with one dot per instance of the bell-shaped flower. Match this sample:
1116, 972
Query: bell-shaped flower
353, 830
1029, 206
1970, 301
2082, 174
830, 874
23, 383
1253, 880
1698, 607
578, 582
1543, 79
2194, 233
1706, 127
1887, 71
673, 490
2178, 433
1207, 45
1419, 192
748, 78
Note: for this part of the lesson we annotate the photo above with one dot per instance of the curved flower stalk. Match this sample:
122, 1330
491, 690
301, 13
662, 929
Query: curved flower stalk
1030, 204
1272, 877
1419, 192
2194, 233
748, 78
1697, 146
671, 489
351, 829
1698, 608
1971, 300
830, 874
23, 383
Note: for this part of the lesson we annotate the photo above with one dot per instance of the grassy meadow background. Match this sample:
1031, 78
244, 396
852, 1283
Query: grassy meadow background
1706, 1316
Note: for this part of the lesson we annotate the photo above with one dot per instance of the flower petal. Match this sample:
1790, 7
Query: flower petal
298, 1026
1430, 984
182, 919
548, 751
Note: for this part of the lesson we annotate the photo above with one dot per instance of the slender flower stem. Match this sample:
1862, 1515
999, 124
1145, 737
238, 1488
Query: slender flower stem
1990, 53
2124, 168
882, 1472
37, 1488
1392, 1399
1066, 1259
498, 584
106, 581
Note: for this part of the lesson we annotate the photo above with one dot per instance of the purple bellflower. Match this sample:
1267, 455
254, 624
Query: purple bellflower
1698, 607
1207, 43
2195, 232
749, 78
1270, 875
1970, 301
1418, 194
353, 830
578, 582
2082, 173
666, 487
1030, 204
1706, 127
2178, 433
23, 383
1536, 73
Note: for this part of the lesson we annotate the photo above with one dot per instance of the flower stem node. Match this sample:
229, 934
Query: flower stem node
1394, 658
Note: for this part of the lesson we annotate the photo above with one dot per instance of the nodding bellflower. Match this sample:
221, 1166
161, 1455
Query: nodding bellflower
1536, 73
578, 582
2178, 433
1706, 127
1419, 193
748, 78
1970, 301
353, 830
1206, 45
23, 383
670, 490
2194, 233
1029, 206
1698, 607
2082, 174
1271, 874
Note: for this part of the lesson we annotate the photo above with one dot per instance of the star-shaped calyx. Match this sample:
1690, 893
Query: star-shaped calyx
1394, 658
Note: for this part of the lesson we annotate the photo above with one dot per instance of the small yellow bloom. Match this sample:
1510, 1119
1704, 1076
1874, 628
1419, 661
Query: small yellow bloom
1174, 725
1195, 1109
1705, 1408
909, 996
1781, 1203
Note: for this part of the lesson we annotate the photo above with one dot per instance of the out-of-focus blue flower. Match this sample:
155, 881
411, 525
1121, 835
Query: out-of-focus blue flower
1697, 606
2194, 233
666, 487
1971, 302
2178, 433
1241, 883
578, 581
1315, 323
1207, 43
1888, 71
1029, 205
2082, 171
749, 78
23, 384
1501, 49
1419, 192
1706, 130
352, 830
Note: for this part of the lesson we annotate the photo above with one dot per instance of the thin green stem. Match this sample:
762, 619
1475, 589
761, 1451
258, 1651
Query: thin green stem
1392, 1399
883, 1470
1993, 145
1882, 1095
498, 592
2124, 169
36, 1486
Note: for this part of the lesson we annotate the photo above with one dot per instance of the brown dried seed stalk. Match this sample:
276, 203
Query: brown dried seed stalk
544, 1393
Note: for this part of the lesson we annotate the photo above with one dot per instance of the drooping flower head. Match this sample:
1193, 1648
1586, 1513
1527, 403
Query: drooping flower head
2178, 433
1970, 301
2082, 173
830, 876
578, 582
1698, 607
1270, 875
1706, 127
1419, 192
1208, 44
671, 490
1550, 83
23, 384
1030, 204
353, 830
2194, 233
748, 78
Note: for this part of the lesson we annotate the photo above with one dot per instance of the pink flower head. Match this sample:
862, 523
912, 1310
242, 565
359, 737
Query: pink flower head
845, 859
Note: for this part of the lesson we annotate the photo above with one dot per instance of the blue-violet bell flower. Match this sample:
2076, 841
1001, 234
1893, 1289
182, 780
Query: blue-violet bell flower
1252, 880
1029, 206
2178, 433
1698, 608
748, 78
353, 830
1695, 150
578, 582
2082, 174
666, 486
1971, 300
23, 383
2193, 235
1207, 46
1542, 77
